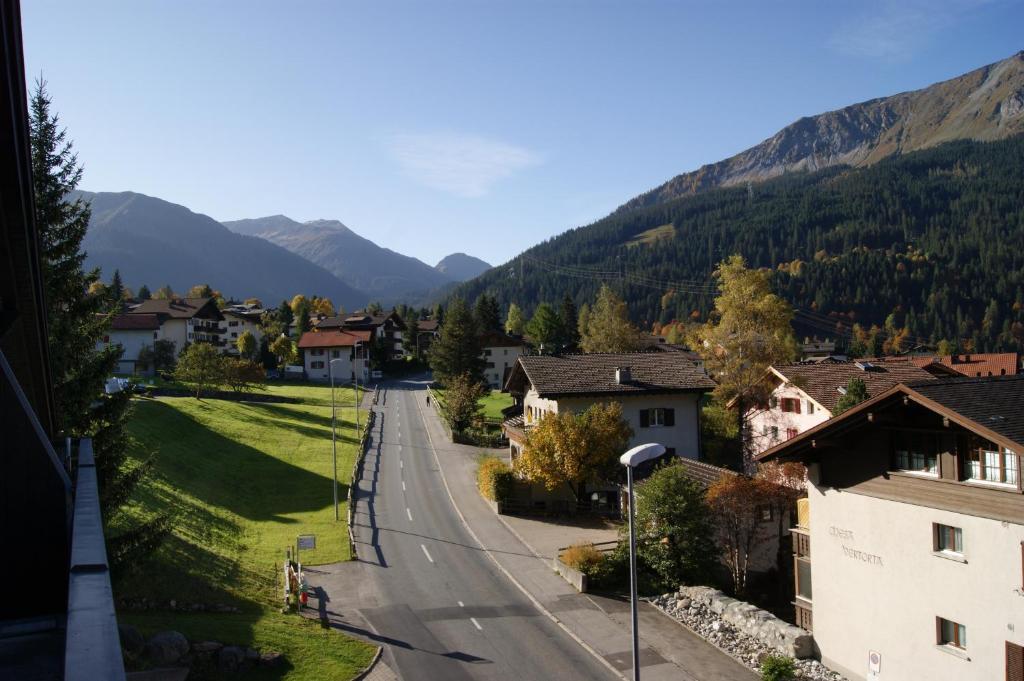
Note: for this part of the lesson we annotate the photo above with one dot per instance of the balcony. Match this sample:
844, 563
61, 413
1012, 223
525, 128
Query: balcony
802, 586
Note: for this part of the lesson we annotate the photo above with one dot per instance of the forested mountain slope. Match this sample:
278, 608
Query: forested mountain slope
934, 238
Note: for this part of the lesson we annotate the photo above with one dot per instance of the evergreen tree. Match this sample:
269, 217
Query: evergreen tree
410, 339
608, 326
144, 293
458, 350
117, 287
76, 324
515, 324
487, 314
570, 336
856, 392
285, 317
545, 329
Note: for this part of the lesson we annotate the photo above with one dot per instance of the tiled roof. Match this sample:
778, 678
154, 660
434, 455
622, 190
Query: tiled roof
994, 403
427, 325
333, 339
821, 380
135, 322
175, 308
494, 339
704, 474
594, 374
983, 364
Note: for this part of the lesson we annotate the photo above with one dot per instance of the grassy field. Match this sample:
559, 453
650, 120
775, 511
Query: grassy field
494, 403
652, 235
243, 479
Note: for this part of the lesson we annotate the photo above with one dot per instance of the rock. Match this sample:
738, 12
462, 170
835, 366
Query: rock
271, 659
684, 602
167, 647
132, 641
230, 659
204, 648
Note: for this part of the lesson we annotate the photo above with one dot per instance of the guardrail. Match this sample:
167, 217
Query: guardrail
357, 474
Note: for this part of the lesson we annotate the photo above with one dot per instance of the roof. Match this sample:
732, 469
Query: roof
983, 364
424, 325
135, 322
333, 339
594, 374
175, 308
989, 406
821, 380
494, 339
704, 474
360, 320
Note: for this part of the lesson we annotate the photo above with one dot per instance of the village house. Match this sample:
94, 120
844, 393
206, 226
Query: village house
427, 331
806, 393
660, 394
385, 327
237, 320
348, 350
133, 332
915, 515
500, 351
184, 321
975, 364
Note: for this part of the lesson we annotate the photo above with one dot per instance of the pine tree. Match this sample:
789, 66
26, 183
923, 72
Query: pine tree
570, 335
77, 323
608, 327
458, 350
117, 286
545, 329
856, 392
487, 314
144, 293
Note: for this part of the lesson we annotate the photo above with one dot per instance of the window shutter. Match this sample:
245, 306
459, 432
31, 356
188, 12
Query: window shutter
796, 405
645, 418
670, 417
1014, 662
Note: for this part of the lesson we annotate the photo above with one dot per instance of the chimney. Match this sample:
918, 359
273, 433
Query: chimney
622, 376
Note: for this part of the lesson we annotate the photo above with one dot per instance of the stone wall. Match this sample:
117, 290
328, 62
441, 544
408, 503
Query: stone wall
752, 621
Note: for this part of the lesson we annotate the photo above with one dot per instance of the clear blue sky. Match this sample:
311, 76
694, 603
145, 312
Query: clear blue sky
482, 126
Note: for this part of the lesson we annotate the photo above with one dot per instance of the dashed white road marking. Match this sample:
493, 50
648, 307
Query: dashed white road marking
409, 513
426, 553
475, 623
403, 485
461, 604
400, 464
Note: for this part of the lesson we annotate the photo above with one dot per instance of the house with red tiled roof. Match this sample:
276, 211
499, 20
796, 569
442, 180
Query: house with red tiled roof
343, 355
977, 365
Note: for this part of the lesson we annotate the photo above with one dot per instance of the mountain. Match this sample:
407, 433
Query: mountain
155, 242
930, 240
384, 274
985, 104
461, 267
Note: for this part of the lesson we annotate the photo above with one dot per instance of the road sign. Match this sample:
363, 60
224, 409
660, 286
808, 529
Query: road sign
306, 541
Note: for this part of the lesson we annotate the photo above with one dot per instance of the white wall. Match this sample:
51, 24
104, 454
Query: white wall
343, 368
762, 421
683, 436
886, 597
502, 358
132, 341
176, 331
231, 333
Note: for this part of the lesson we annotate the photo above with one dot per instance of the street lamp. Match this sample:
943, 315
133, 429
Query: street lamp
631, 460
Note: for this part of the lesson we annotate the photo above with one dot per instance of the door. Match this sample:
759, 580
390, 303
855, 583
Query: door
1014, 662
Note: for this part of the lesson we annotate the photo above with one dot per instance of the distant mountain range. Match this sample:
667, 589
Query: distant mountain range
383, 274
155, 242
984, 104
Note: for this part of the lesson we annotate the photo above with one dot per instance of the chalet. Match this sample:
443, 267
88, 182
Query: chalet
343, 354
915, 513
500, 351
184, 321
427, 331
237, 320
806, 393
133, 332
385, 327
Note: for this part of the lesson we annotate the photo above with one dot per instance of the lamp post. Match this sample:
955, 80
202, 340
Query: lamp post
630, 460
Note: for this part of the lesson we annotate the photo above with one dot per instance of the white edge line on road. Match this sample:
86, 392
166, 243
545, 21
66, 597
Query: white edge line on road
461, 604
426, 553
476, 624
408, 512
537, 604
400, 464
403, 485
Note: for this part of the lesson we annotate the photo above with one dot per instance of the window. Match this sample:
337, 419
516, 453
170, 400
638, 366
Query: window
791, 433
316, 365
915, 452
990, 463
234, 334
232, 323
317, 352
775, 432
154, 335
658, 417
773, 402
335, 353
803, 578
810, 407
487, 352
948, 538
952, 634
790, 405
490, 365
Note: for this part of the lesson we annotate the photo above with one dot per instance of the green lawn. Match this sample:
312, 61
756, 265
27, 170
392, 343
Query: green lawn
243, 480
494, 403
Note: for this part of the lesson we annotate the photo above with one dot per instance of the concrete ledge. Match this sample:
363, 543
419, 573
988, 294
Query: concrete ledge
576, 579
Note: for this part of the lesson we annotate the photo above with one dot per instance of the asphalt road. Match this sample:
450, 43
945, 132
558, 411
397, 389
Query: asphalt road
446, 610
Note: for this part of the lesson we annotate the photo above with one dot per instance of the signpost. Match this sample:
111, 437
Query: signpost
304, 542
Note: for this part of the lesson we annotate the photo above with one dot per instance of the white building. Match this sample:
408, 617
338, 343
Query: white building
916, 519
805, 394
348, 350
386, 327
238, 320
133, 332
184, 321
500, 351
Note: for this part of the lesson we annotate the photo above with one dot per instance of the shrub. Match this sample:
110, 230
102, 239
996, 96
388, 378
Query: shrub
583, 557
493, 478
778, 668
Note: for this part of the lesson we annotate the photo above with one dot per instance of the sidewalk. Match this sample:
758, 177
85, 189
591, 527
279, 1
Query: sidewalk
667, 649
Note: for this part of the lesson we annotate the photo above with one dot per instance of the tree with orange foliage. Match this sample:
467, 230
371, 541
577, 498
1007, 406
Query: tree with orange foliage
737, 504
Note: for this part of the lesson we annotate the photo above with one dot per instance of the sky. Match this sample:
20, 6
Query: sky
482, 127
